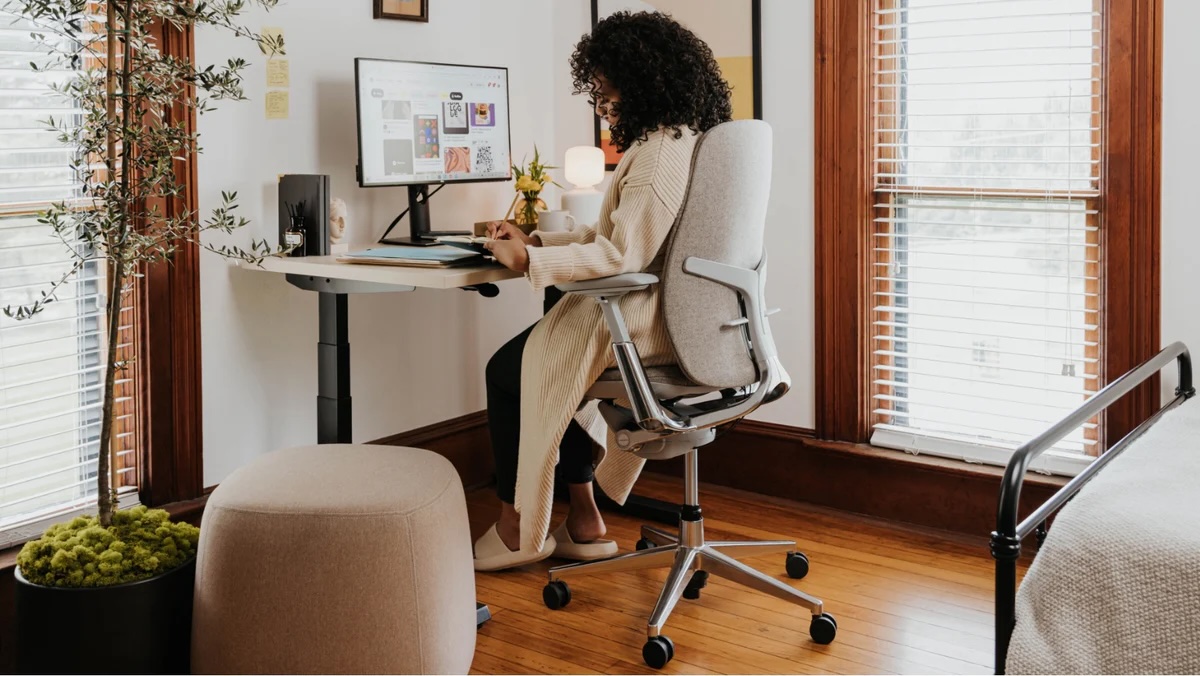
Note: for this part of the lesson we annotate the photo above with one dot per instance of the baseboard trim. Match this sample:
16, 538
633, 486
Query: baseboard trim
464, 441
189, 511
791, 463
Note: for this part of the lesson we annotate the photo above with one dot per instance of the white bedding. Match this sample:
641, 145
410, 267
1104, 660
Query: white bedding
1116, 586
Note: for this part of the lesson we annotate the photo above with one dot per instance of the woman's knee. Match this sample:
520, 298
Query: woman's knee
492, 371
503, 370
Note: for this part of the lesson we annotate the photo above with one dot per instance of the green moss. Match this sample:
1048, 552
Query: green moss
140, 544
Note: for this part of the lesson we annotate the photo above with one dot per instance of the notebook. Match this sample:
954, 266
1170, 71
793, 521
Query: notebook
422, 257
466, 242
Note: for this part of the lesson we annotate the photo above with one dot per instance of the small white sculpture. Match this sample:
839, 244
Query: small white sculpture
338, 215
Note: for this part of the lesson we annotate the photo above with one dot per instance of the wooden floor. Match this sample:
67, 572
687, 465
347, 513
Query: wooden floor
907, 600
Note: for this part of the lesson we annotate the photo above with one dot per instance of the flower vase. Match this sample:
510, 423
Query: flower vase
526, 210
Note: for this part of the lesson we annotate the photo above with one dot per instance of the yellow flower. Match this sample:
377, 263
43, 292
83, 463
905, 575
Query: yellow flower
528, 184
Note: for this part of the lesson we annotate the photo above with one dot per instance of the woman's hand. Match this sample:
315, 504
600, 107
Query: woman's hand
503, 230
511, 253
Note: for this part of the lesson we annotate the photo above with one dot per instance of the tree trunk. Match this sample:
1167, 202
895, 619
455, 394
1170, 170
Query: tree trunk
105, 502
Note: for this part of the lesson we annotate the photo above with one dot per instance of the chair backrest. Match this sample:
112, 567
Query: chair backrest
723, 219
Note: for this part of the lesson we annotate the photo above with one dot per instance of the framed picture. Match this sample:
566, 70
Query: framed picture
408, 10
732, 28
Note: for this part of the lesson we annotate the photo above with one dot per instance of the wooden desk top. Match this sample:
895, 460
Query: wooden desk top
327, 267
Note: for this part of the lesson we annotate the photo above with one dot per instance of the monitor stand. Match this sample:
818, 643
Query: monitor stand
420, 232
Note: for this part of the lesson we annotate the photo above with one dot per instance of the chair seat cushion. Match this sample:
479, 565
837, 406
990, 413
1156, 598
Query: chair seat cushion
667, 381
663, 375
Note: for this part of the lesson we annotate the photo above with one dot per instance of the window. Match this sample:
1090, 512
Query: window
51, 366
986, 248
987, 220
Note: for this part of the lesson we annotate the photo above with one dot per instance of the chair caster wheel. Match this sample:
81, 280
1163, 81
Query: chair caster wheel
556, 595
797, 565
823, 629
699, 581
658, 651
644, 544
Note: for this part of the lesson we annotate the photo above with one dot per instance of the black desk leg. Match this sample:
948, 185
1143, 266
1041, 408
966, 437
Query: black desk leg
333, 370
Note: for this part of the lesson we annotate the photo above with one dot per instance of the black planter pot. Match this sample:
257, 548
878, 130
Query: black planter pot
137, 628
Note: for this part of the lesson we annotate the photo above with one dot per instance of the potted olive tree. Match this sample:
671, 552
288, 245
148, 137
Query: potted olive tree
112, 593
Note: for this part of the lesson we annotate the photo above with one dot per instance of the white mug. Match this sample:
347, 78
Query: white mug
556, 221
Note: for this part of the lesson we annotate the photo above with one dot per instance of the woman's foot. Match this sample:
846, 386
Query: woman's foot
584, 522
509, 526
500, 547
580, 537
585, 525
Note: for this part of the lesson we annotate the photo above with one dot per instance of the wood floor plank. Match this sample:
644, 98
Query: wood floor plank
879, 647
620, 641
532, 659
907, 599
880, 583
513, 628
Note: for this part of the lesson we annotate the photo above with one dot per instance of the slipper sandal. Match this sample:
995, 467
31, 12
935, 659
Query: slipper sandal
591, 551
492, 554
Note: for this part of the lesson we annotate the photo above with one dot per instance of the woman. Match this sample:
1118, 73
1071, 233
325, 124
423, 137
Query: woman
659, 87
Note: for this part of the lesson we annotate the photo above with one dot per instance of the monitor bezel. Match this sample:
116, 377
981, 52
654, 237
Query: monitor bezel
361, 173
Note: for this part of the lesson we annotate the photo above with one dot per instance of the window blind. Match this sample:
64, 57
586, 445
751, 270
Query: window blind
987, 268
51, 366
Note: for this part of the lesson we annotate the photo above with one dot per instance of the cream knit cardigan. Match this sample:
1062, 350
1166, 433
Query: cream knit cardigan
570, 347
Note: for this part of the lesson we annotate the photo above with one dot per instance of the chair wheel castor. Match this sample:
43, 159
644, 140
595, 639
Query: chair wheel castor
556, 595
699, 581
823, 629
658, 651
644, 544
797, 565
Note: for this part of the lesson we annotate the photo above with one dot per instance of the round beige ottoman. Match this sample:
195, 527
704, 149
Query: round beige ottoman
336, 559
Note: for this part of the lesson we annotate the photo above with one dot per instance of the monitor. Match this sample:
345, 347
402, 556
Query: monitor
429, 123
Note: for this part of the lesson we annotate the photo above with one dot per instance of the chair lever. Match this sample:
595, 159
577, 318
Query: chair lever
733, 324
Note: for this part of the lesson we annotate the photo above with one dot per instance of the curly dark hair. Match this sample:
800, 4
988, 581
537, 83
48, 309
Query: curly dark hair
666, 76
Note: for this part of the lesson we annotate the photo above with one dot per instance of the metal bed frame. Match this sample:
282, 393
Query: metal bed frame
1006, 539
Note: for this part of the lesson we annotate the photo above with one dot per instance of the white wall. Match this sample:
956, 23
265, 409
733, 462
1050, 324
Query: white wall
418, 358
1180, 229
788, 72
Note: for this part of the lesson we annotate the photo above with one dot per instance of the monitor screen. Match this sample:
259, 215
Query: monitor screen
424, 123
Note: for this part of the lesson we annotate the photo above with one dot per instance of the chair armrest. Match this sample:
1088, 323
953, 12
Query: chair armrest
617, 285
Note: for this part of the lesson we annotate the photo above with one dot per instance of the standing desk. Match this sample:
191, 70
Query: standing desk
334, 282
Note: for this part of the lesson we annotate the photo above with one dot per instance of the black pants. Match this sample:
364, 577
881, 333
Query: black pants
504, 422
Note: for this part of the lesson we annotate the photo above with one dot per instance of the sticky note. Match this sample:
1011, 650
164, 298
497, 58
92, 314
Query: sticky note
277, 105
279, 73
269, 36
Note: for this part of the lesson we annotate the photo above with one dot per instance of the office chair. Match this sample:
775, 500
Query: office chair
713, 283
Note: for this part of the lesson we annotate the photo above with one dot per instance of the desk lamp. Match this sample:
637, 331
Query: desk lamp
584, 168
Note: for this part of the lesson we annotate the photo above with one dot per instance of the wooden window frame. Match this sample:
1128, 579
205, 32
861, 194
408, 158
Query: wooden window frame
1130, 202
168, 366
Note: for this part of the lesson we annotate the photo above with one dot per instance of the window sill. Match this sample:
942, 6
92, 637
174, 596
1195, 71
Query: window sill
189, 511
934, 463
